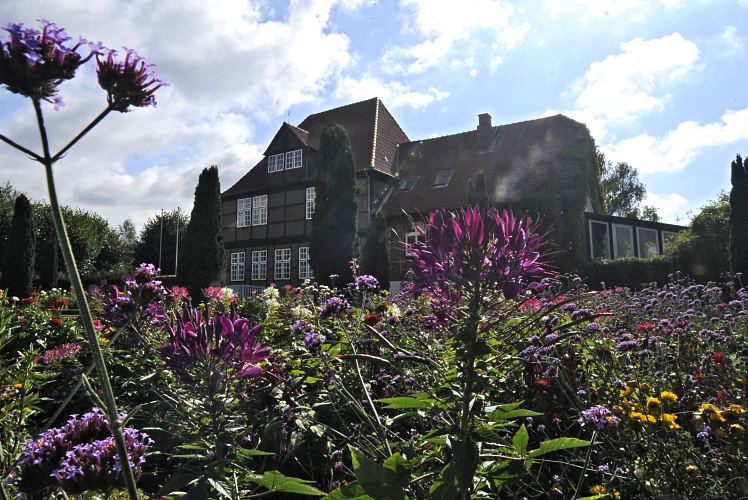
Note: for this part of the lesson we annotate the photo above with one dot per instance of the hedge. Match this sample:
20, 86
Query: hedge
632, 272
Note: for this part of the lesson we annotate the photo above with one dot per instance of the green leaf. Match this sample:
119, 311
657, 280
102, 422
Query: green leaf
277, 482
312, 380
350, 491
502, 414
246, 452
193, 446
220, 487
561, 443
397, 464
466, 459
405, 402
376, 480
520, 440
445, 486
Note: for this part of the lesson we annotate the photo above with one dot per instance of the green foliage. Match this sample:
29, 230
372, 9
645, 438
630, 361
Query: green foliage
375, 255
739, 216
632, 272
18, 264
203, 262
622, 191
147, 245
334, 225
702, 250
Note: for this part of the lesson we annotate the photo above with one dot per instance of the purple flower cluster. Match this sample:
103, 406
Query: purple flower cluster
313, 341
33, 63
301, 327
366, 282
78, 456
334, 305
199, 340
142, 300
130, 82
599, 416
474, 245
59, 353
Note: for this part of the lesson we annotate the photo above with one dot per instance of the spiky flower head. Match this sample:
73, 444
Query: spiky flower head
128, 82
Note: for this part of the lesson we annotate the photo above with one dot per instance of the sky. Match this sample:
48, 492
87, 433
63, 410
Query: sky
661, 84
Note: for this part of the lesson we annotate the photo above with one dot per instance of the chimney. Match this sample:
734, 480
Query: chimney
484, 121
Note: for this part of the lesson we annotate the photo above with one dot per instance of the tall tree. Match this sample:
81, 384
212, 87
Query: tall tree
147, 245
129, 238
375, 254
477, 191
739, 217
334, 226
622, 192
203, 262
18, 265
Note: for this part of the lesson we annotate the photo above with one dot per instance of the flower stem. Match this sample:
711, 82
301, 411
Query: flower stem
27, 151
85, 311
83, 132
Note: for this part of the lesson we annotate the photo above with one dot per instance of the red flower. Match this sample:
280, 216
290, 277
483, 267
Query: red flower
645, 326
21, 321
98, 325
371, 319
56, 322
542, 384
718, 358
720, 395
531, 304
28, 300
62, 302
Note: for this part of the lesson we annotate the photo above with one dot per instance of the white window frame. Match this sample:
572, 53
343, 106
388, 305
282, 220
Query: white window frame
607, 239
237, 266
282, 264
311, 202
260, 210
275, 163
293, 159
305, 270
630, 230
669, 233
244, 212
259, 265
639, 247
415, 235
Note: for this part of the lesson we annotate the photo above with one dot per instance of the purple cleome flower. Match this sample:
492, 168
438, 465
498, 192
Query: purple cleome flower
128, 83
78, 456
33, 63
599, 416
196, 339
472, 245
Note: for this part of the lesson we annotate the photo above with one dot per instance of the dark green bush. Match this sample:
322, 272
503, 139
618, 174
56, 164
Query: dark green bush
631, 272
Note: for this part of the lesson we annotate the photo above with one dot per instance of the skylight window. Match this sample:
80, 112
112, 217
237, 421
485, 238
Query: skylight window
442, 178
407, 184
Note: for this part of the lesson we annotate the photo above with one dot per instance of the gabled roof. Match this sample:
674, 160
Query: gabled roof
301, 135
518, 160
373, 132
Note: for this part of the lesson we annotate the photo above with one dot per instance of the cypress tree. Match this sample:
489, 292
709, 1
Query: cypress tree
18, 265
477, 192
334, 239
739, 217
375, 255
202, 259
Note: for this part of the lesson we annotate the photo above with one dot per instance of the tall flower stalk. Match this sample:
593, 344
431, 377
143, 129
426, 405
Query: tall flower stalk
33, 63
468, 255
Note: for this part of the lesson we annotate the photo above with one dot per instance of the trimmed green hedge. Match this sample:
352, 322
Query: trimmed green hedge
632, 272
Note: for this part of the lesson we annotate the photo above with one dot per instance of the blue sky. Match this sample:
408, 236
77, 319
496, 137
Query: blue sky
660, 84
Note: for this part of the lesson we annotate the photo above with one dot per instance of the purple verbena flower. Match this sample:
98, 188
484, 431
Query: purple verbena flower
366, 282
599, 416
130, 82
334, 305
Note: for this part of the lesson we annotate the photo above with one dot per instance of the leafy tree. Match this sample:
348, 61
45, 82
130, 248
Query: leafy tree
129, 238
739, 216
8, 197
622, 191
203, 263
18, 265
146, 247
375, 255
702, 250
334, 226
477, 191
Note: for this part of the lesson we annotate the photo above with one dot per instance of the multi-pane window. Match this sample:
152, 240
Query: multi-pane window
647, 242
411, 238
599, 240
623, 241
259, 264
260, 210
237, 266
275, 162
310, 202
244, 212
305, 270
293, 159
282, 263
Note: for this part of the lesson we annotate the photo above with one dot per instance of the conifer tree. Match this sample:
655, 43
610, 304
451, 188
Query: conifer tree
202, 257
739, 217
375, 255
334, 226
18, 265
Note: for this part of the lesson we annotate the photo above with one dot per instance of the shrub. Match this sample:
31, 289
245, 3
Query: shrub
632, 272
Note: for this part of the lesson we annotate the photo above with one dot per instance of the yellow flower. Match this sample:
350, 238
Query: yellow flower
670, 420
716, 417
627, 391
641, 417
645, 388
668, 397
653, 405
693, 471
708, 408
737, 429
733, 411
103, 340
18, 387
598, 489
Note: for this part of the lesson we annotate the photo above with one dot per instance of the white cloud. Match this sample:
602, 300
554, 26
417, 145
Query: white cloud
222, 60
676, 150
636, 10
668, 205
394, 94
447, 26
624, 86
730, 40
